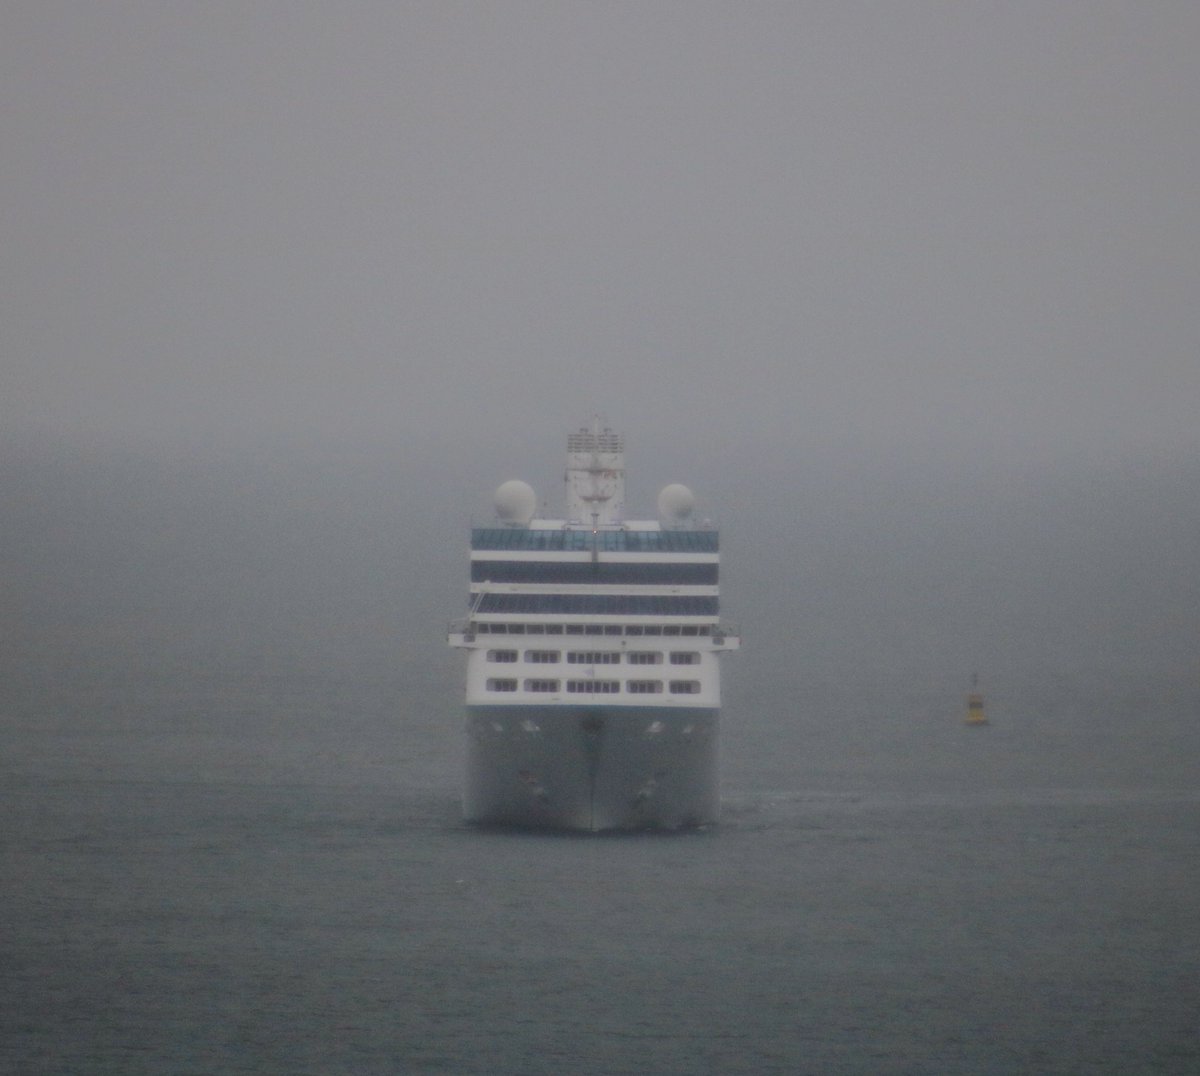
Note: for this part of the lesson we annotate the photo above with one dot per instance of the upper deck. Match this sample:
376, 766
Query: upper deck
594, 571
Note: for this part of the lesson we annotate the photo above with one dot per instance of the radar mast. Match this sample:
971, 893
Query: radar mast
595, 475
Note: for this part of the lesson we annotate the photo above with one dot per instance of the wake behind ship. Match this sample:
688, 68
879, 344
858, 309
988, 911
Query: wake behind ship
593, 688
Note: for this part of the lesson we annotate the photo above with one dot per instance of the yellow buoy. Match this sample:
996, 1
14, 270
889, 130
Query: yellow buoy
976, 714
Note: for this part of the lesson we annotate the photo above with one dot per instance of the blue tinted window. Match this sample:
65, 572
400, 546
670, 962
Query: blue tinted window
671, 541
541, 571
602, 604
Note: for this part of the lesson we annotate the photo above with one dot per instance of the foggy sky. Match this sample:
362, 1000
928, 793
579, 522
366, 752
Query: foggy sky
906, 291
918, 230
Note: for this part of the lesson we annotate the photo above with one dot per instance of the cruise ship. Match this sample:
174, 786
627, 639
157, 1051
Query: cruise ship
593, 685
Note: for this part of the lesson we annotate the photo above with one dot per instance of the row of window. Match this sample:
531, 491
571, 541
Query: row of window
486, 628
548, 571
603, 604
668, 541
596, 657
598, 687
591, 441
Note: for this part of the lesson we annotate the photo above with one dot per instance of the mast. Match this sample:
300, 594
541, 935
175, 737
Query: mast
595, 476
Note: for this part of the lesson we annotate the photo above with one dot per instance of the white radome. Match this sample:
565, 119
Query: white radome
675, 502
515, 501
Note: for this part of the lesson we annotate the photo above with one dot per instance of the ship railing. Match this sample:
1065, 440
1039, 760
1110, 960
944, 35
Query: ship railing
727, 637
720, 633
462, 625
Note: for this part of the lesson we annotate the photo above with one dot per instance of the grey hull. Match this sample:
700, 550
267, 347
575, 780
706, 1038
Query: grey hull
592, 768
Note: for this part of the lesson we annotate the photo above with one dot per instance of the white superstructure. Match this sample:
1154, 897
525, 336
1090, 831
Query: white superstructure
586, 622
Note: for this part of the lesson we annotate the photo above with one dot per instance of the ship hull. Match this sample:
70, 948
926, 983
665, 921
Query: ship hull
592, 768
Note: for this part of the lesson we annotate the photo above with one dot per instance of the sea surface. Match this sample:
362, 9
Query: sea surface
212, 864
230, 842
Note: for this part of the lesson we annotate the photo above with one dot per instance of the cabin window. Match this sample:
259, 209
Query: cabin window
685, 657
645, 657
541, 685
542, 657
502, 655
685, 687
594, 687
644, 687
593, 657
497, 684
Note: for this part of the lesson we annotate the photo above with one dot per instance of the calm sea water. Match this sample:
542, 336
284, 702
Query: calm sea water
223, 860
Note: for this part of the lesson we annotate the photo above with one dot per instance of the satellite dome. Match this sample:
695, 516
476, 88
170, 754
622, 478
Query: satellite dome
515, 501
675, 502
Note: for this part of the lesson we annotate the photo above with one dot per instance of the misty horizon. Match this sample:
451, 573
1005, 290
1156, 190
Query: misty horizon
905, 294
